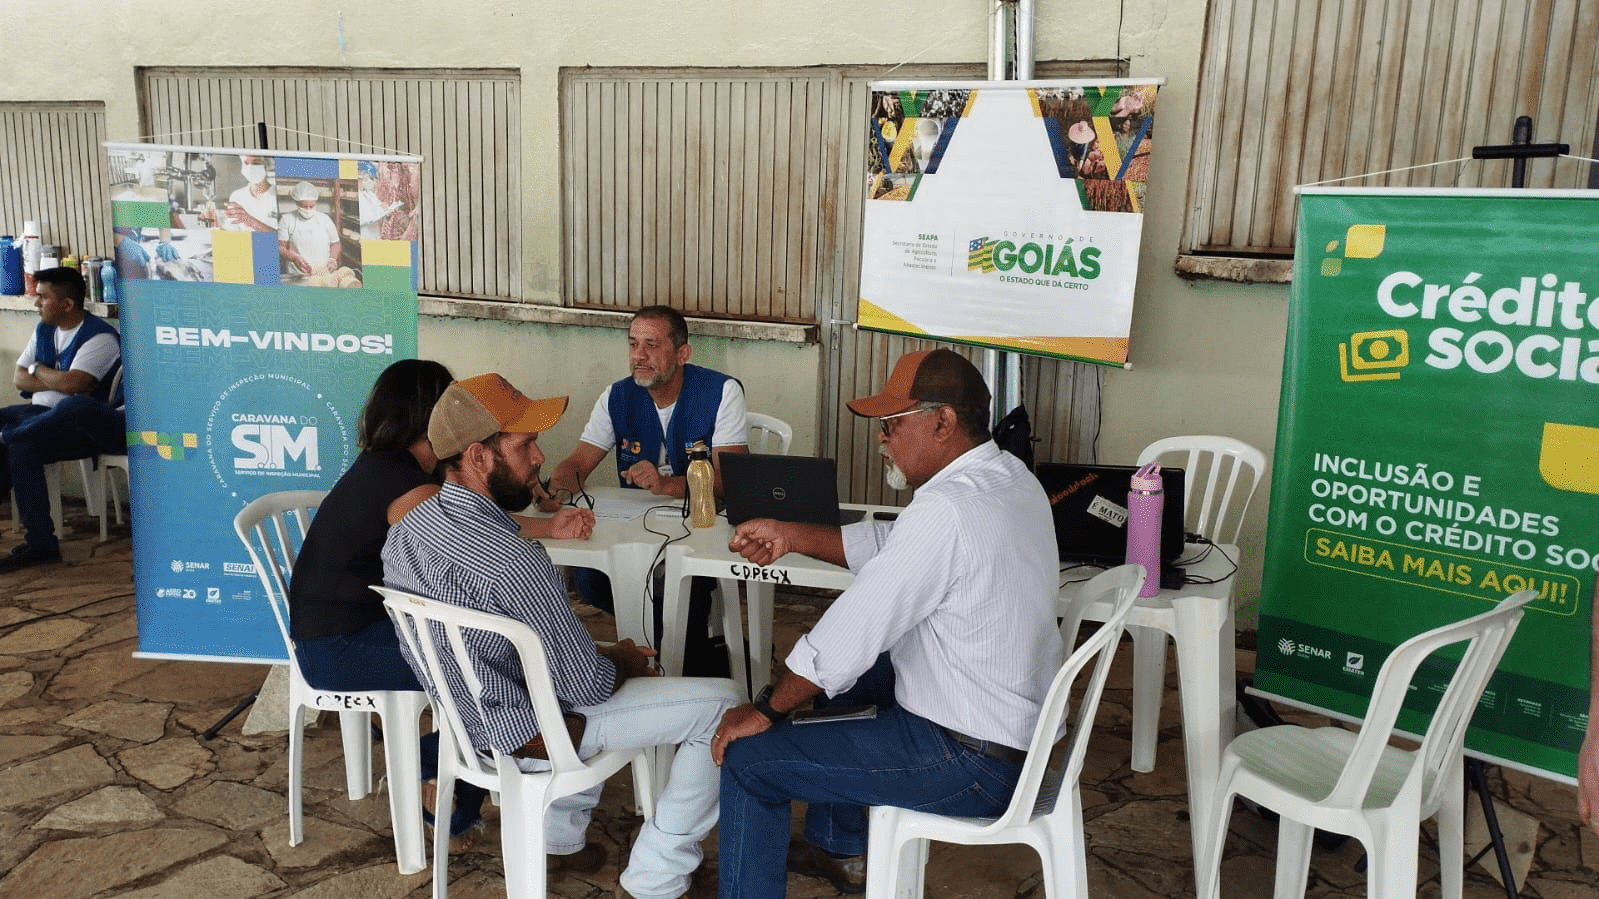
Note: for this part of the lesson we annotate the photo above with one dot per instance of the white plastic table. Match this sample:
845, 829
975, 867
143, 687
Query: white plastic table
1199, 618
622, 547
704, 553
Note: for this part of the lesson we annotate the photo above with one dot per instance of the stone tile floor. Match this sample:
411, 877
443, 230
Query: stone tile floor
108, 789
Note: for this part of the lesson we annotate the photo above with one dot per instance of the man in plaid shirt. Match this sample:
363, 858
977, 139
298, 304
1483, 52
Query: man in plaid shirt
462, 547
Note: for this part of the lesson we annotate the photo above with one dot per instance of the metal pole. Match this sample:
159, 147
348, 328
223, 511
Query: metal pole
1011, 18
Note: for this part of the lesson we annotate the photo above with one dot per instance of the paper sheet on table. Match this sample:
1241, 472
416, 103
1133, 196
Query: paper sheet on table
628, 507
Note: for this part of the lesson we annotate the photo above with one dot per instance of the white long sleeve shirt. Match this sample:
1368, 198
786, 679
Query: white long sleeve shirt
960, 591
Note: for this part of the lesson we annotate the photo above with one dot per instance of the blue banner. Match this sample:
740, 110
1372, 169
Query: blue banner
248, 354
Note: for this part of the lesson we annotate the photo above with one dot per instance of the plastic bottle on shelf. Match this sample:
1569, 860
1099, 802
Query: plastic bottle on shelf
32, 249
701, 486
108, 282
1145, 502
11, 283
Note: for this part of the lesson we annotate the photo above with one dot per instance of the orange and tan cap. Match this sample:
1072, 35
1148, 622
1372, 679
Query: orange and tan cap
477, 408
933, 376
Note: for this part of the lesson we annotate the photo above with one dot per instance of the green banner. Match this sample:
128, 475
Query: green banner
1438, 449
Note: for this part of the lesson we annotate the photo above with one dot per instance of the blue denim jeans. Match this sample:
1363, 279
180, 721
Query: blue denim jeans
841, 769
75, 428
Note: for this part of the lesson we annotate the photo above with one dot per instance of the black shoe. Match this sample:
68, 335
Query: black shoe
847, 875
25, 555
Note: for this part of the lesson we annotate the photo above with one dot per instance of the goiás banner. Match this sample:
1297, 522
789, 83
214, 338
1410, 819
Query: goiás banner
1007, 214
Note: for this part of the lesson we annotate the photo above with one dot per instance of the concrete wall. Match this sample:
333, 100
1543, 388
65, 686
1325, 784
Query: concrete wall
1207, 356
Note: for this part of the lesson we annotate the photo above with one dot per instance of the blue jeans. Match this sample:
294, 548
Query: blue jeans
370, 659
841, 769
32, 436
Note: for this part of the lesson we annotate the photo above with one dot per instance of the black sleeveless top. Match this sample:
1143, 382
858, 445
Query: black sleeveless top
330, 590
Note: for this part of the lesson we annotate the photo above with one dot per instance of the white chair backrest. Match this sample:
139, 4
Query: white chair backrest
1122, 585
1488, 634
1231, 470
768, 434
426, 625
272, 529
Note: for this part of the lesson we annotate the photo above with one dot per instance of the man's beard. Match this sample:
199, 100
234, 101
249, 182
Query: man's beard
892, 475
507, 492
661, 377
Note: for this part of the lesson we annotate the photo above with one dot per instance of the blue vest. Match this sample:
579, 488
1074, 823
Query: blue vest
44, 352
638, 427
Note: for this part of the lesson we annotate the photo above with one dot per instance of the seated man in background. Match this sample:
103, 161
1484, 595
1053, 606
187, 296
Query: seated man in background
949, 629
66, 373
461, 546
652, 417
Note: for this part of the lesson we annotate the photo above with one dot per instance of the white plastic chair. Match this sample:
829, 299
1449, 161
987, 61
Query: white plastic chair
52, 486
432, 629
1046, 811
1231, 471
108, 490
273, 529
768, 434
1356, 784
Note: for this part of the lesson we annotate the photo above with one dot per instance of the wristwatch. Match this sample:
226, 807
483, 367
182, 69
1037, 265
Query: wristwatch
33, 369
763, 704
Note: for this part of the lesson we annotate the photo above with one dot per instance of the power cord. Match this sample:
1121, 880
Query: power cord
645, 622
1206, 547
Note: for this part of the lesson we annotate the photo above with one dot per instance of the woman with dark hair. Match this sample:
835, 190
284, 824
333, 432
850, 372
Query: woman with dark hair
343, 637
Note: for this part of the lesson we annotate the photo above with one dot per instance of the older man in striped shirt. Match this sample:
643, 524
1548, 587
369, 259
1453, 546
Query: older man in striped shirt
949, 629
462, 547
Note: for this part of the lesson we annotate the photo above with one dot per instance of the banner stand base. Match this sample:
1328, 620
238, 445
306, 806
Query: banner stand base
213, 730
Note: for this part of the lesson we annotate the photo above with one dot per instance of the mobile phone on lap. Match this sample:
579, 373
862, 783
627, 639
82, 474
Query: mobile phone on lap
835, 713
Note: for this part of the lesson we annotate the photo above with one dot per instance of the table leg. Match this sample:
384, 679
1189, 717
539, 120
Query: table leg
629, 570
630, 573
733, 632
1206, 676
759, 645
674, 612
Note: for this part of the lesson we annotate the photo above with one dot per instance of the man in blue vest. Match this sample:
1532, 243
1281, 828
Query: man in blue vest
66, 373
651, 419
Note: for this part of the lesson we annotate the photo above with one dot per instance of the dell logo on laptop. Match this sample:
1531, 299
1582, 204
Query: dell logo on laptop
779, 494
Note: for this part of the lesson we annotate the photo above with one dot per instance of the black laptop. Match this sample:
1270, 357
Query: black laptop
1089, 503
802, 489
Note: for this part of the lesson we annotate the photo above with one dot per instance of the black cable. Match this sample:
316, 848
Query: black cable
649, 578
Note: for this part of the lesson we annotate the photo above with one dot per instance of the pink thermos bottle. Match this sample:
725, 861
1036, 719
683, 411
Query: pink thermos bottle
1144, 502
